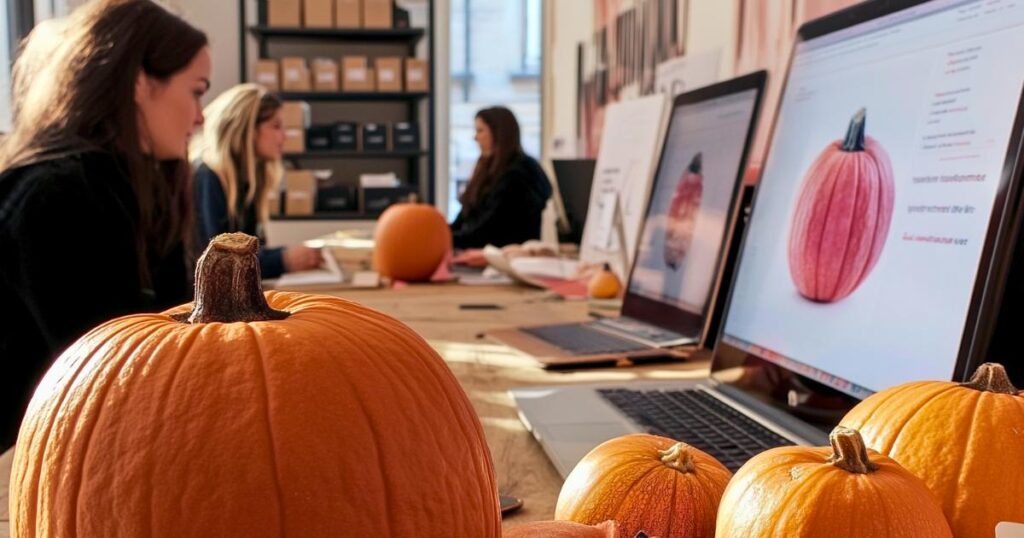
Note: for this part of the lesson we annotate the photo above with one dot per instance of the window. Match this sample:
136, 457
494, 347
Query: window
495, 60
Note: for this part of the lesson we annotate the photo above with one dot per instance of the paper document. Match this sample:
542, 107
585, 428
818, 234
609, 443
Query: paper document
329, 274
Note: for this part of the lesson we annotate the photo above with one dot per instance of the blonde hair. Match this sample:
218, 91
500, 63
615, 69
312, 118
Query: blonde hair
227, 146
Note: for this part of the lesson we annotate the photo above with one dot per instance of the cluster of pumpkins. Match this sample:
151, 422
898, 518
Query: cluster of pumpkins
283, 414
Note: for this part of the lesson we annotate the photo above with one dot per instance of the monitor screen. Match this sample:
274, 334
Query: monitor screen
691, 199
876, 197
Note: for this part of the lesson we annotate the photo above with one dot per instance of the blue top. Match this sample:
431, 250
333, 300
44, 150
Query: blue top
212, 219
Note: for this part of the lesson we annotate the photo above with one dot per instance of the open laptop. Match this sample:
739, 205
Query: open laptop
944, 105
672, 288
574, 178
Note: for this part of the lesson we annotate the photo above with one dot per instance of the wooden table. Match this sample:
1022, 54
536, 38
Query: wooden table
487, 371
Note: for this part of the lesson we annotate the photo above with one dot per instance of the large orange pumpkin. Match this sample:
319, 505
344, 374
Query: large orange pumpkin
845, 490
966, 441
645, 483
410, 242
252, 415
564, 529
842, 216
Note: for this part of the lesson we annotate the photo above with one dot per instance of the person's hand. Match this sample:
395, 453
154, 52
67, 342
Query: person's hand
301, 258
473, 257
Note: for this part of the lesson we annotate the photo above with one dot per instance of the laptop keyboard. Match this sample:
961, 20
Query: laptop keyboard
579, 339
699, 419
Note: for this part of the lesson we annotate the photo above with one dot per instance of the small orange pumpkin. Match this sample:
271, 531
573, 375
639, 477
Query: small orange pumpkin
647, 484
410, 242
604, 284
965, 440
801, 492
251, 414
564, 529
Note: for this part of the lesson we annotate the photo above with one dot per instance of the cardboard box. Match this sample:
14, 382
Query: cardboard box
268, 75
356, 75
375, 137
300, 192
417, 75
389, 74
318, 13
274, 202
284, 13
405, 136
295, 75
346, 136
377, 13
294, 140
374, 200
348, 14
325, 75
295, 114
320, 137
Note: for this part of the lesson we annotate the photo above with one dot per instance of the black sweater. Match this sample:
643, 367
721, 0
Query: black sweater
510, 212
212, 219
69, 262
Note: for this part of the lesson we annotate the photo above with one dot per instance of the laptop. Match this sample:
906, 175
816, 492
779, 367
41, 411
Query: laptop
943, 132
672, 287
574, 177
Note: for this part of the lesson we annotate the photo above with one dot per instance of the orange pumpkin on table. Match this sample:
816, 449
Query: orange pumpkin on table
604, 284
965, 440
251, 414
646, 484
845, 490
410, 242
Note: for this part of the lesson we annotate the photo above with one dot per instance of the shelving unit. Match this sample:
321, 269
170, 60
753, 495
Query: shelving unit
416, 167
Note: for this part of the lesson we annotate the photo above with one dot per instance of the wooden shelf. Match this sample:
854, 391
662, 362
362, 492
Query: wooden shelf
344, 154
354, 96
407, 35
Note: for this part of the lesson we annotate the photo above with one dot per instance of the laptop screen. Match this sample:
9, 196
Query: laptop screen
874, 207
691, 201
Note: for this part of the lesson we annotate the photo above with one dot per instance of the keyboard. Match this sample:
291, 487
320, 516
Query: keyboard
698, 419
580, 339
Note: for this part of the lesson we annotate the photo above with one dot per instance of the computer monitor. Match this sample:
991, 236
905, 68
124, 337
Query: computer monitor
691, 213
884, 221
574, 177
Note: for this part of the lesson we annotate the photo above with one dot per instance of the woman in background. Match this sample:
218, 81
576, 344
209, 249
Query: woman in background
94, 204
507, 193
240, 153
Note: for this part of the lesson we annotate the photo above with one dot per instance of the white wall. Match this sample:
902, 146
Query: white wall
219, 19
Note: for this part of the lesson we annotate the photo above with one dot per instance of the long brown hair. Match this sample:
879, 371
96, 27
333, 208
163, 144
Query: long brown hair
507, 147
74, 91
227, 146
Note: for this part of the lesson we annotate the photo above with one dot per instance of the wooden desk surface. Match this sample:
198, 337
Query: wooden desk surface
487, 371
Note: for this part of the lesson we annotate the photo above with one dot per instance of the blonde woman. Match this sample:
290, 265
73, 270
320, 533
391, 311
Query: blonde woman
240, 152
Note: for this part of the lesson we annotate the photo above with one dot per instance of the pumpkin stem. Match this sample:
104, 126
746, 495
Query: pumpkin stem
679, 458
697, 164
855, 133
991, 377
849, 452
228, 284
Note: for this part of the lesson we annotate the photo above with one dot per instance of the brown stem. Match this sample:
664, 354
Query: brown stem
991, 377
679, 458
228, 284
854, 140
849, 452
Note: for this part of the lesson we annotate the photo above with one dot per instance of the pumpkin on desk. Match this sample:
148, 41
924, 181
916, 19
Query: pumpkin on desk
845, 490
410, 242
646, 484
256, 415
965, 440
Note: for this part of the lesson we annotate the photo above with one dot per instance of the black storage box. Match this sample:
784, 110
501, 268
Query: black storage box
336, 198
375, 137
346, 136
405, 136
376, 199
319, 138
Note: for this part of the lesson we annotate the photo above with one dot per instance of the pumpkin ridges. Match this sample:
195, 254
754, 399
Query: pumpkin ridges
601, 482
838, 223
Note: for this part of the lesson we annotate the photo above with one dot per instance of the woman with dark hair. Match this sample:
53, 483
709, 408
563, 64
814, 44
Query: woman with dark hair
94, 181
506, 195
240, 152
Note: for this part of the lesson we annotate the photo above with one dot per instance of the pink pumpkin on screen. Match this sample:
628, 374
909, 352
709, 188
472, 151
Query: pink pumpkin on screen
842, 216
682, 213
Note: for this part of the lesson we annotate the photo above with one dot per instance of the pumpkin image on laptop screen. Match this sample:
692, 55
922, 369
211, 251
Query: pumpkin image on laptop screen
842, 216
682, 215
